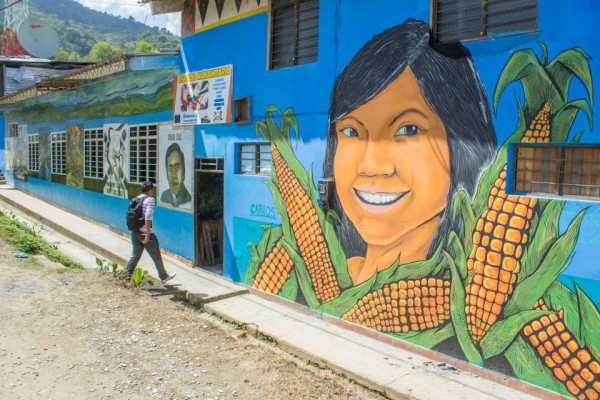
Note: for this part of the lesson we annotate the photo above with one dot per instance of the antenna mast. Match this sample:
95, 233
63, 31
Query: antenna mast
15, 12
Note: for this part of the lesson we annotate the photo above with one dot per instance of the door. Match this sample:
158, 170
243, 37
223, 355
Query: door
208, 211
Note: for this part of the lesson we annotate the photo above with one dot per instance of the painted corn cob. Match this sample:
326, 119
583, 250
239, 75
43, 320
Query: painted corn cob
274, 271
307, 231
501, 234
539, 129
407, 305
573, 365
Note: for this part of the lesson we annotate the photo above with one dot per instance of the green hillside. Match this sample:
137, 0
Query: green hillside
80, 28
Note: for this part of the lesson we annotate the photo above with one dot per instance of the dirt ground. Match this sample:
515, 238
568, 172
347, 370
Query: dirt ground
84, 335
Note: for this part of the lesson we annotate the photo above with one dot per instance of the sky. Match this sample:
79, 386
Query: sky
126, 8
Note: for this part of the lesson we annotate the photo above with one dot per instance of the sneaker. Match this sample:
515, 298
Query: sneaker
168, 278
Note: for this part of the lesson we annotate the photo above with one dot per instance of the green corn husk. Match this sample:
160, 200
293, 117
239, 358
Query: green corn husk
271, 236
282, 140
528, 367
457, 314
555, 261
590, 322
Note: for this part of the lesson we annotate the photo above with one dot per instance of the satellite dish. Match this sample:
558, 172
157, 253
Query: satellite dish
38, 38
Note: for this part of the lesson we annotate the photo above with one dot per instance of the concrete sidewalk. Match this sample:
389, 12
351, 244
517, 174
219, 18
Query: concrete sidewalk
383, 365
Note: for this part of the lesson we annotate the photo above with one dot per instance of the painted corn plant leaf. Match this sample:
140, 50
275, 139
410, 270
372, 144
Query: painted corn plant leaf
348, 298
457, 313
414, 270
560, 297
590, 322
561, 123
289, 290
504, 332
555, 261
490, 174
538, 85
460, 256
304, 280
528, 367
462, 202
577, 137
281, 209
542, 238
569, 64
259, 251
428, 338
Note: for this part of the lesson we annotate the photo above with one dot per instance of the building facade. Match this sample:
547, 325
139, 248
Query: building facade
425, 169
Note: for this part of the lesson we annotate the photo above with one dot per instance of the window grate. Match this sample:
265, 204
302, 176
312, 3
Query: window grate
13, 130
210, 164
59, 153
34, 152
93, 144
143, 153
559, 170
455, 20
294, 36
255, 159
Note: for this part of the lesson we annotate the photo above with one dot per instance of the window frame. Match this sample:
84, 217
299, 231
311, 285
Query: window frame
560, 171
12, 133
33, 139
138, 178
257, 159
483, 26
270, 43
93, 153
58, 153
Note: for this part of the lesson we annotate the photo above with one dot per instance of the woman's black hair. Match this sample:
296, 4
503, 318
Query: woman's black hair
451, 86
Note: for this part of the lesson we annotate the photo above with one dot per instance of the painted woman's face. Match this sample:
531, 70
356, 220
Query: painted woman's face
392, 164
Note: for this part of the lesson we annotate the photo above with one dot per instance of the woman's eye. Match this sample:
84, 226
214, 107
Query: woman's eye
350, 132
408, 130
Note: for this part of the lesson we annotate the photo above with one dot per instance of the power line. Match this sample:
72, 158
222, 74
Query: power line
10, 5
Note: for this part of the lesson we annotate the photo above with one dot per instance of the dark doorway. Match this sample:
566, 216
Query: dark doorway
208, 221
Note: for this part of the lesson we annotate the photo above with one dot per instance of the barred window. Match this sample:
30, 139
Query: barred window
455, 20
59, 153
13, 130
255, 159
559, 170
294, 37
93, 145
142, 153
34, 152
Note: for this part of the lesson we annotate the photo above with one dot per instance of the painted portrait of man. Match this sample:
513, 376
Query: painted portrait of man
177, 195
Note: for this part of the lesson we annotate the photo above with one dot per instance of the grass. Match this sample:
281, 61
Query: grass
27, 240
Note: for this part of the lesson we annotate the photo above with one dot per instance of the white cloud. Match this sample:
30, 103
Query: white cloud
143, 14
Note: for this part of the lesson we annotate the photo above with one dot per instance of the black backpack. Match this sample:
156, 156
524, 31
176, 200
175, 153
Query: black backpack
135, 216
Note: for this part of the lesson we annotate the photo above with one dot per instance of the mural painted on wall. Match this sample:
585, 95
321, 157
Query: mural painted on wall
75, 158
45, 171
208, 14
116, 166
188, 16
138, 92
422, 241
176, 167
19, 159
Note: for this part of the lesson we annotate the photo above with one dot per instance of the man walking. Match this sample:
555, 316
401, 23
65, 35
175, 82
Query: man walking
145, 237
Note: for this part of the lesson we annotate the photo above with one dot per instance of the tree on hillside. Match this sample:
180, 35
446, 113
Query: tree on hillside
64, 55
144, 47
102, 51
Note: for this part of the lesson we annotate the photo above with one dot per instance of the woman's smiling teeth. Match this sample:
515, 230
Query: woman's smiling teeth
379, 199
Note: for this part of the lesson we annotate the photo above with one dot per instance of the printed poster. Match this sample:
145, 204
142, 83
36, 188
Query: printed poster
204, 97
116, 159
175, 167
